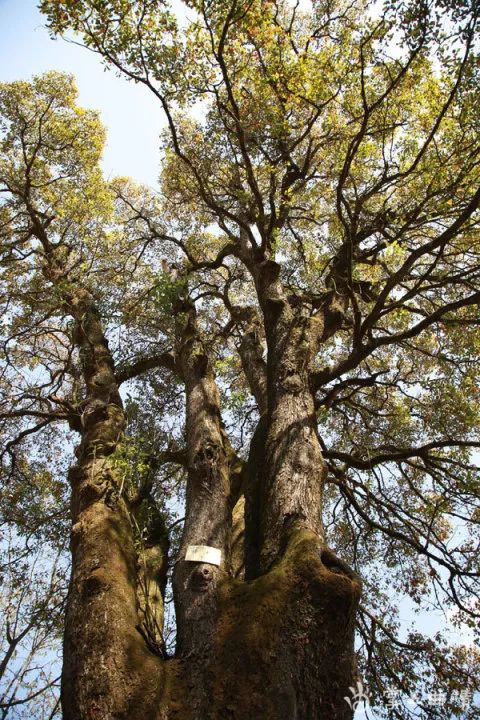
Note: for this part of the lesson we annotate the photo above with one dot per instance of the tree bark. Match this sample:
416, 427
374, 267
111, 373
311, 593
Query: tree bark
284, 641
108, 670
277, 646
208, 509
301, 601
294, 471
280, 645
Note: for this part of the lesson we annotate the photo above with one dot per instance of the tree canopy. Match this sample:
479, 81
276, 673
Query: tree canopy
315, 229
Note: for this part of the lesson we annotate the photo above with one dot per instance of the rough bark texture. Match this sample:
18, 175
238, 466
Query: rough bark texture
207, 512
109, 671
294, 469
277, 645
284, 644
253, 363
106, 660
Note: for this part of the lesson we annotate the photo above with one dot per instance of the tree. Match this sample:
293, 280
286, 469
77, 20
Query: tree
56, 205
295, 313
32, 601
32, 570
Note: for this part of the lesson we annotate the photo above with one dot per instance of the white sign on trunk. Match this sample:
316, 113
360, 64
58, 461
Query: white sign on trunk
204, 554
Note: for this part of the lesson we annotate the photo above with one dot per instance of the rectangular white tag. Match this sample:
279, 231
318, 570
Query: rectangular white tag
203, 553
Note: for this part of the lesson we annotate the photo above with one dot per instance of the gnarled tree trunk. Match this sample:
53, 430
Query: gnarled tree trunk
108, 669
277, 645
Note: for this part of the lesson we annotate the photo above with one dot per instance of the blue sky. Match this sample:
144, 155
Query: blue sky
132, 116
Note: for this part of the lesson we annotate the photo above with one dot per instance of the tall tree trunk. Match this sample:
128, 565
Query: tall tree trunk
208, 517
108, 670
278, 646
285, 640
294, 475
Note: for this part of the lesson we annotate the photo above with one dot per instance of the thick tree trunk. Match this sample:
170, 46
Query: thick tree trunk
303, 601
108, 670
278, 646
294, 471
207, 513
284, 642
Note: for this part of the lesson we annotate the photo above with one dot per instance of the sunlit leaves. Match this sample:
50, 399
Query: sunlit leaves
137, 35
